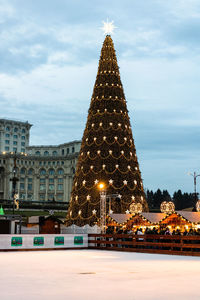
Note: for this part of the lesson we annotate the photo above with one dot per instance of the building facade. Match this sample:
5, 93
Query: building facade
14, 135
45, 173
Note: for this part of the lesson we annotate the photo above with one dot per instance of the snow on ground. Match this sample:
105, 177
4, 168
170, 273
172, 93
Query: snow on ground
97, 275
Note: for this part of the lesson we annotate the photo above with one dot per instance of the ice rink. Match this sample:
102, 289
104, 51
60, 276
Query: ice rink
97, 275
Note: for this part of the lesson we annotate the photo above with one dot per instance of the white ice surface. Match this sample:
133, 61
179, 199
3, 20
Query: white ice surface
62, 275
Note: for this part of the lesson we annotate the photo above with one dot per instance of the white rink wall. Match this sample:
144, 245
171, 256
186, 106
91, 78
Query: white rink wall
76, 229
42, 241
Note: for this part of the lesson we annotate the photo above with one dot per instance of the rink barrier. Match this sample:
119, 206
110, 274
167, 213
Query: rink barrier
9, 242
160, 244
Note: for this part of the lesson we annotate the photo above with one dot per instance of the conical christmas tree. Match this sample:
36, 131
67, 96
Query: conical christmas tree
107, 152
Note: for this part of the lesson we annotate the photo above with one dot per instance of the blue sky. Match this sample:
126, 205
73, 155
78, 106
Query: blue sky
49, 57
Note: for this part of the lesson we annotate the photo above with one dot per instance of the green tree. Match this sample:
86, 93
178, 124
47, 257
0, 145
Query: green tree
178, 200
107, 151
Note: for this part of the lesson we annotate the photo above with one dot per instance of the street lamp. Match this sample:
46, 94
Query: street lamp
194, 175
14, 180
103, 198
102, 190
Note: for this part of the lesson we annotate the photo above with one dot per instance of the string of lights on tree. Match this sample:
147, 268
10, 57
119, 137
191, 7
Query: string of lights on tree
107, 151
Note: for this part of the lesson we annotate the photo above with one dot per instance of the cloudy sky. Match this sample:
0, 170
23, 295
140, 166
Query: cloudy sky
49, 57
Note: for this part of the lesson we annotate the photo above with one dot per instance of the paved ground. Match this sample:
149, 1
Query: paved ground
97, 275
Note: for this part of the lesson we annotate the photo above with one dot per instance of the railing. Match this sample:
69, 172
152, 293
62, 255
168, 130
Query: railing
25, 204
166, 244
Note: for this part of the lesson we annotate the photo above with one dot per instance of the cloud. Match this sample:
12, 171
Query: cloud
7, 11
49, 57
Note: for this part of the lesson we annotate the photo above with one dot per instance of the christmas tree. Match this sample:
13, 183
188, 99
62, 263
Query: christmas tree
107, 151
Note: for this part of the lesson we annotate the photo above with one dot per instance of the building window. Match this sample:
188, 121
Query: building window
51, 187
60, 197
60, 172
30, 180
23, 150
51, 197
22, 172
37, 153
63, 151
67, 150
30, 172
7, 148
73, 149
62, 162
60, 180
23, 130
14, 142
51, 172
22, 196
7, 142
42, 196
60, 187
58, 163
43, 172
30, 197
23, 143
15, 136
51, 180
23, 137
14, 149
46, 153
55, 153
42, 187
49, 163
15, 129
7, 135
7, 128
21, 186
30, 186
42, 180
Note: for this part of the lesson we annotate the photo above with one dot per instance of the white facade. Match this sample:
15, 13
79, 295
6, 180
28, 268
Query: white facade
41, 177
45, 173
14, 135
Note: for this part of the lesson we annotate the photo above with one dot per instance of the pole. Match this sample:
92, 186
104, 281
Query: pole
103, 211
14, 182
195, 187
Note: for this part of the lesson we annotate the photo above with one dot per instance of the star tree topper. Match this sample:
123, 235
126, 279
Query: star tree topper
108, 27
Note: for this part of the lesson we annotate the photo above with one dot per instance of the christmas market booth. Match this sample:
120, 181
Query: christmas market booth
134, 221
179, 220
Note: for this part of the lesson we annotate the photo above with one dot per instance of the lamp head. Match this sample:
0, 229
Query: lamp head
101, 186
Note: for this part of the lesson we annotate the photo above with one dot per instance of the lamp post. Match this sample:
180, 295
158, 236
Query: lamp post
103, 198
14, 180
102, 189
194, 175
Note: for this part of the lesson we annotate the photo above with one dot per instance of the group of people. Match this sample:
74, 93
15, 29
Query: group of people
154, 230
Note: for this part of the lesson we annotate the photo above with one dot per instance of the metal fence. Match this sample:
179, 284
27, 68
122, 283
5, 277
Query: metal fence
166, 244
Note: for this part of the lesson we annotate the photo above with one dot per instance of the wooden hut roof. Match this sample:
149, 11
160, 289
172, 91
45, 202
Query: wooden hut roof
121, 218
191, 216
153, 217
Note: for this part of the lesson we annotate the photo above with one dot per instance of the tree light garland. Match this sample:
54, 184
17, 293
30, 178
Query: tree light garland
106, 144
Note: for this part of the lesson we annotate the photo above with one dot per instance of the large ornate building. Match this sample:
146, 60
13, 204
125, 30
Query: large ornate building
44, 172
